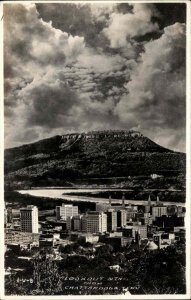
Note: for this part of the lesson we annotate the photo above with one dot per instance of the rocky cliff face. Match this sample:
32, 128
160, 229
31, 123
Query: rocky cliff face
110, 134
64, 159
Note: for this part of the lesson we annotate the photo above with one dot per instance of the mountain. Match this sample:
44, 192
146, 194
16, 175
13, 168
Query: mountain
80, 157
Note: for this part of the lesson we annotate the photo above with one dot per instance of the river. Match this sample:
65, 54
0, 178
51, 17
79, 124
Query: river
65, 194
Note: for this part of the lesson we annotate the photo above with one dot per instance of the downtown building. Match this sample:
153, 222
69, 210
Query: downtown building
159, 210
8, 217
111, 220
74, 223
121, 218
94, 222
20, 238
29, 219
134, 230
65, 211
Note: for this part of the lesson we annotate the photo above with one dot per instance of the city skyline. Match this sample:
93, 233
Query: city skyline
117, 238
86, 66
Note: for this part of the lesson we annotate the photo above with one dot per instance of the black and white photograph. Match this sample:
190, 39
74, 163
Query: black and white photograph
96, 175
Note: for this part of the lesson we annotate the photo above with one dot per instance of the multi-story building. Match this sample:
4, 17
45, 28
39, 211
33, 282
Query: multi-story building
180, 212
69, 223
133, 230
9, 215
146, 221
48, 239
66, 210
111, 220
29, 219
94, 222
117, 241
121, 218
131, 212
77, 222
172, 210
17, 237
74, 223
159, 210
169, 221
141, 230
90, 238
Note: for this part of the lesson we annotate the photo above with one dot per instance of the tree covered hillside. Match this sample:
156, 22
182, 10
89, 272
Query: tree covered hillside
61, 160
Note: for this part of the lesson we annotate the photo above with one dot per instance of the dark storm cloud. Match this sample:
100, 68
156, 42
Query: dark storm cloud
78, 67
170, 13
89, 21
44, 110
69, 109
76, 20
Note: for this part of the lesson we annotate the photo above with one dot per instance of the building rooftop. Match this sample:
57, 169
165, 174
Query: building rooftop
151, 246
29, 207
94, 212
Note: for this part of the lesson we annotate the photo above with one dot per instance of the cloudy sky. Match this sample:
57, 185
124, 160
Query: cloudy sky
80, 67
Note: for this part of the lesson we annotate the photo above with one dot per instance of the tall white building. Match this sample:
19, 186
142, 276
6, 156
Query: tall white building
94, 222
29, 219
65, 211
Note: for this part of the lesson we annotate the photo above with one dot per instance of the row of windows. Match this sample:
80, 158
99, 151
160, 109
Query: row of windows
27, 222
23, 214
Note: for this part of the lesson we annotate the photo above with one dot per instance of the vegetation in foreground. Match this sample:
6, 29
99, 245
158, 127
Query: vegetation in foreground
80, 266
